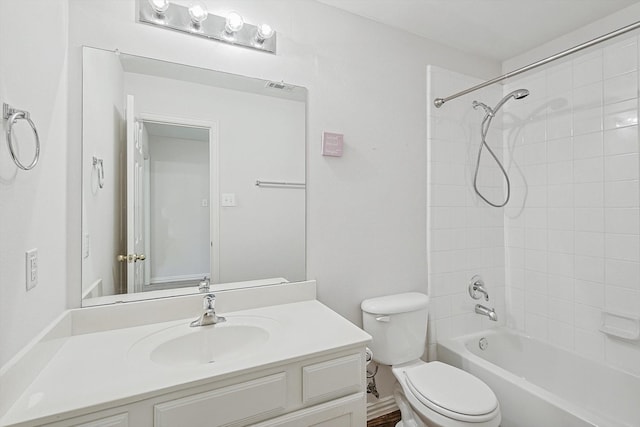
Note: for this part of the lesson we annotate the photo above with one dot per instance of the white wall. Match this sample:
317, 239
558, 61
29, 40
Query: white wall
103, 132
259, 138
33, 76
179, 181
464, 235
574, 229
366, 233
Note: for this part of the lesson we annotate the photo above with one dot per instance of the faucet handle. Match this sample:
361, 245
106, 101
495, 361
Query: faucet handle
476, 288
209, 302
204, 285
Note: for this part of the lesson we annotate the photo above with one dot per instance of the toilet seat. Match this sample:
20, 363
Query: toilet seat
451, 392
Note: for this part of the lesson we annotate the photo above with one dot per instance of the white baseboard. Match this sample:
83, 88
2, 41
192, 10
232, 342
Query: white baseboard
383, 406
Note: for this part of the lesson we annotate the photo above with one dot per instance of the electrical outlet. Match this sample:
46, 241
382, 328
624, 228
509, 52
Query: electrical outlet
31, 273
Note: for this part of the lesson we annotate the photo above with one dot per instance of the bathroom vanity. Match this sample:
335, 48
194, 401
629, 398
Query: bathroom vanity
280, 359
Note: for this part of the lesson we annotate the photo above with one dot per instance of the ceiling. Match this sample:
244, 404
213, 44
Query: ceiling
496, 29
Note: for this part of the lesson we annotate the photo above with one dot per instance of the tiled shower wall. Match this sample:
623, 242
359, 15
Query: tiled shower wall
573, 226
465, 237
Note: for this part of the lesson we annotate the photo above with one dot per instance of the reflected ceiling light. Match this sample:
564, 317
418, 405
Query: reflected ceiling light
198, 13
159, 6
234, 23
229, 29
264, 32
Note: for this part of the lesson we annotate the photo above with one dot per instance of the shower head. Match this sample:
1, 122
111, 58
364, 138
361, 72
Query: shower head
520, 93
516, 94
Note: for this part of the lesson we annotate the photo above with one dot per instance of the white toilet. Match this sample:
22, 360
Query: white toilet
428, 394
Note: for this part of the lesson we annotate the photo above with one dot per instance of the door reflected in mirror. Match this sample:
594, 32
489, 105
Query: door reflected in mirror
175, 198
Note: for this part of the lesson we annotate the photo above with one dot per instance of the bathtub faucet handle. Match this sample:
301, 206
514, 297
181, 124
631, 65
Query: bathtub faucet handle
476, 288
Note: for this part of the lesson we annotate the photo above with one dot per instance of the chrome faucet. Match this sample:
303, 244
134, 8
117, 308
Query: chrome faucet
489, 312
209, 316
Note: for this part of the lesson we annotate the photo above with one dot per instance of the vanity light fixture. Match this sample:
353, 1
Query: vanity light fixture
264, 32
233, 23
197, 21
159, 6
198, 13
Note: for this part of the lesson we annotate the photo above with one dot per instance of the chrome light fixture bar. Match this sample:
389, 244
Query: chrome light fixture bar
196, 21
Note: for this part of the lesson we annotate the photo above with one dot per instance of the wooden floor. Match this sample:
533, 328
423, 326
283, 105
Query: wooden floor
387, 420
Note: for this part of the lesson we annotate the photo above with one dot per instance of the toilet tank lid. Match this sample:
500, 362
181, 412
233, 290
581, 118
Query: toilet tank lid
398, 303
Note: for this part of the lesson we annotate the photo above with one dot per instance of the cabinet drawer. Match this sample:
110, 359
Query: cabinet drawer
331, 379
120, 420
247, 402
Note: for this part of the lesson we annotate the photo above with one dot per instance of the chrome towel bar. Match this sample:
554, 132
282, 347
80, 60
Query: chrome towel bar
280, 184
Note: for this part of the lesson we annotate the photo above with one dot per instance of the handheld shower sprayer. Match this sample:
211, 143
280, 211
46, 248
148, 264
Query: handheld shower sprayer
484, 129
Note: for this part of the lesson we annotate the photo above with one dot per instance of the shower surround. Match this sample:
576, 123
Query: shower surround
567, 246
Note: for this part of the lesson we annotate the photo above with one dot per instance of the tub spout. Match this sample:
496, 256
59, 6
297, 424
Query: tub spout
489, 312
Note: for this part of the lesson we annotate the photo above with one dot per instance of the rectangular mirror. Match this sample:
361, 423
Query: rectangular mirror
188, 174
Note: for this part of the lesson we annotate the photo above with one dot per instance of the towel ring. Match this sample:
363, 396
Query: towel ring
12, 116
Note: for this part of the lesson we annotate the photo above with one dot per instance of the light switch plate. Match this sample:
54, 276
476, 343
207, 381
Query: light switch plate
228, 200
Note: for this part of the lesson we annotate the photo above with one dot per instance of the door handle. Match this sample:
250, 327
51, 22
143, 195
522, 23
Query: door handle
131, 258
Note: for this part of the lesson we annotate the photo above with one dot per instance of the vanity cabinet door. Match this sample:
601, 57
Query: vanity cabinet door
350, 411
332, 378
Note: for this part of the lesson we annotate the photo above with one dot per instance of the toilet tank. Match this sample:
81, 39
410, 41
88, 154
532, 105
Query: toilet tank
398, 325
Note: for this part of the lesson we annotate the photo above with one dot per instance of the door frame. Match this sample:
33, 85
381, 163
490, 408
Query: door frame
214, 180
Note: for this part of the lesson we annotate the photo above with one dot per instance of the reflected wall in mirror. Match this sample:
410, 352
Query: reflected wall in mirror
171, 158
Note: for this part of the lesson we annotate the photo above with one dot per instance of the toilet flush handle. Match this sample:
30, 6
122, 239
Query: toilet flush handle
383, 318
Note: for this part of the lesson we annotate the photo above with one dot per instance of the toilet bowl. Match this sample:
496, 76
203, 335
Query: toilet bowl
430, 394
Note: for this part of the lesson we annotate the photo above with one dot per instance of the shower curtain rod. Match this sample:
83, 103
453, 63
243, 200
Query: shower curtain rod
438, 102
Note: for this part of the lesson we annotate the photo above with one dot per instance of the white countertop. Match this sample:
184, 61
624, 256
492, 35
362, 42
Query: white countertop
94, 369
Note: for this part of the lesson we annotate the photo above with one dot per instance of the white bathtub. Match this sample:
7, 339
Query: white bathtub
540, 385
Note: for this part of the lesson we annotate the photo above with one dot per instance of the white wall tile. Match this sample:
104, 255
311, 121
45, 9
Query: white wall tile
620, 58
589, 268
621, 140
622, 220
589, 244
621, 88
589, 293
587, 145
560, 150
561, 287
561, 334
620, 114
587, 68
587, 317
588, 170
622, 299
560, 218
622, 194
561, 241
588, 195
622, 167
625, 247
589, 219
589, 344
622, 273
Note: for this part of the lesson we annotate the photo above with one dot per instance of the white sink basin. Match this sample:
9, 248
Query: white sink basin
182, 345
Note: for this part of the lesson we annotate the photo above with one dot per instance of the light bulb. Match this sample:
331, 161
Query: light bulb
264, 32
198, 12
159, 6
234, 22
